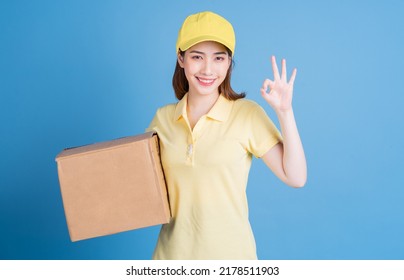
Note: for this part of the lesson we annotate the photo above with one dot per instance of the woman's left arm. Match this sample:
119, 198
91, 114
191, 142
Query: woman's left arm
287, 159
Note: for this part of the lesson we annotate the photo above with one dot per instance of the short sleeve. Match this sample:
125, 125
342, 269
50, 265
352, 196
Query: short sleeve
263, 134
154, 123
162, 119
158, 121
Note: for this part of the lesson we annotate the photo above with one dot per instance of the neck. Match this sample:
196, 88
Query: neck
199, 105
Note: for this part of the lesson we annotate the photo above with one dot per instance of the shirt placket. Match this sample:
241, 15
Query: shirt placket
192, 143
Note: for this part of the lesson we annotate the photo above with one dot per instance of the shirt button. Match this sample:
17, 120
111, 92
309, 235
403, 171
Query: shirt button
190, 150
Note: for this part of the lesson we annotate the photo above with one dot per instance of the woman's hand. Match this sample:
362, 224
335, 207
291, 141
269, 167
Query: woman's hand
279, 95
286, 159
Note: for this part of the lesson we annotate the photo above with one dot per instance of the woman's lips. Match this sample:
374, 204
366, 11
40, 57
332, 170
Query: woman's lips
205, 82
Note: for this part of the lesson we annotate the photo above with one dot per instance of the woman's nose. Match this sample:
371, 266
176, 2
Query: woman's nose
207, 68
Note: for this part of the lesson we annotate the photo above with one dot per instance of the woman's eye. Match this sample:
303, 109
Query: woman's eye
196, 57
220, 58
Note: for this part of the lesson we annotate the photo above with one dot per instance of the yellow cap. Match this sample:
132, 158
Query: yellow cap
205, 26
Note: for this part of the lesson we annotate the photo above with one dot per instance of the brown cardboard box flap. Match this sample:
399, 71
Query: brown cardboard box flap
113, 186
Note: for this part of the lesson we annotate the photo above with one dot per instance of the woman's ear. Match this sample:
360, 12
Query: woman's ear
180, 59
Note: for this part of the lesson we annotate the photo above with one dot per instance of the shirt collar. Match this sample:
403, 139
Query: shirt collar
220, 111
181, 108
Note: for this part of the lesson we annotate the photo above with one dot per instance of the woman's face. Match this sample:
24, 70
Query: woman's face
205, 65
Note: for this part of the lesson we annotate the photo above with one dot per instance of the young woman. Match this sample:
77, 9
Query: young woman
207, 141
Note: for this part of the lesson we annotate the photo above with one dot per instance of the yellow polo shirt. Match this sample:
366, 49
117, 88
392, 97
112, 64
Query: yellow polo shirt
206, 170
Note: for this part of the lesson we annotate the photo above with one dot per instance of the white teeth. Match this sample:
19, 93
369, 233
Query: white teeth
205, 81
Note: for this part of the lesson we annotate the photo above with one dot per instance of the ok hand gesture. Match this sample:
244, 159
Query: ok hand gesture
279, 95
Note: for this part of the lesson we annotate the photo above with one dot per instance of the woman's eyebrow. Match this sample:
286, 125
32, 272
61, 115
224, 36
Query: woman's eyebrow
198, 52
216, 53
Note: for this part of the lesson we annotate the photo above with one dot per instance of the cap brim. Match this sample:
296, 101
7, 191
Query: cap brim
200, 39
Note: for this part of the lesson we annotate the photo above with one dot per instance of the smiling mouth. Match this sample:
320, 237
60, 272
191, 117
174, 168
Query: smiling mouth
205, 82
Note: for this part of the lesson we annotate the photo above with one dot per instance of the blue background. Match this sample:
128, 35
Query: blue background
78, 72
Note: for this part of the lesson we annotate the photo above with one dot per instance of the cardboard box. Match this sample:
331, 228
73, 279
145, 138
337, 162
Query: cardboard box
113, 186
